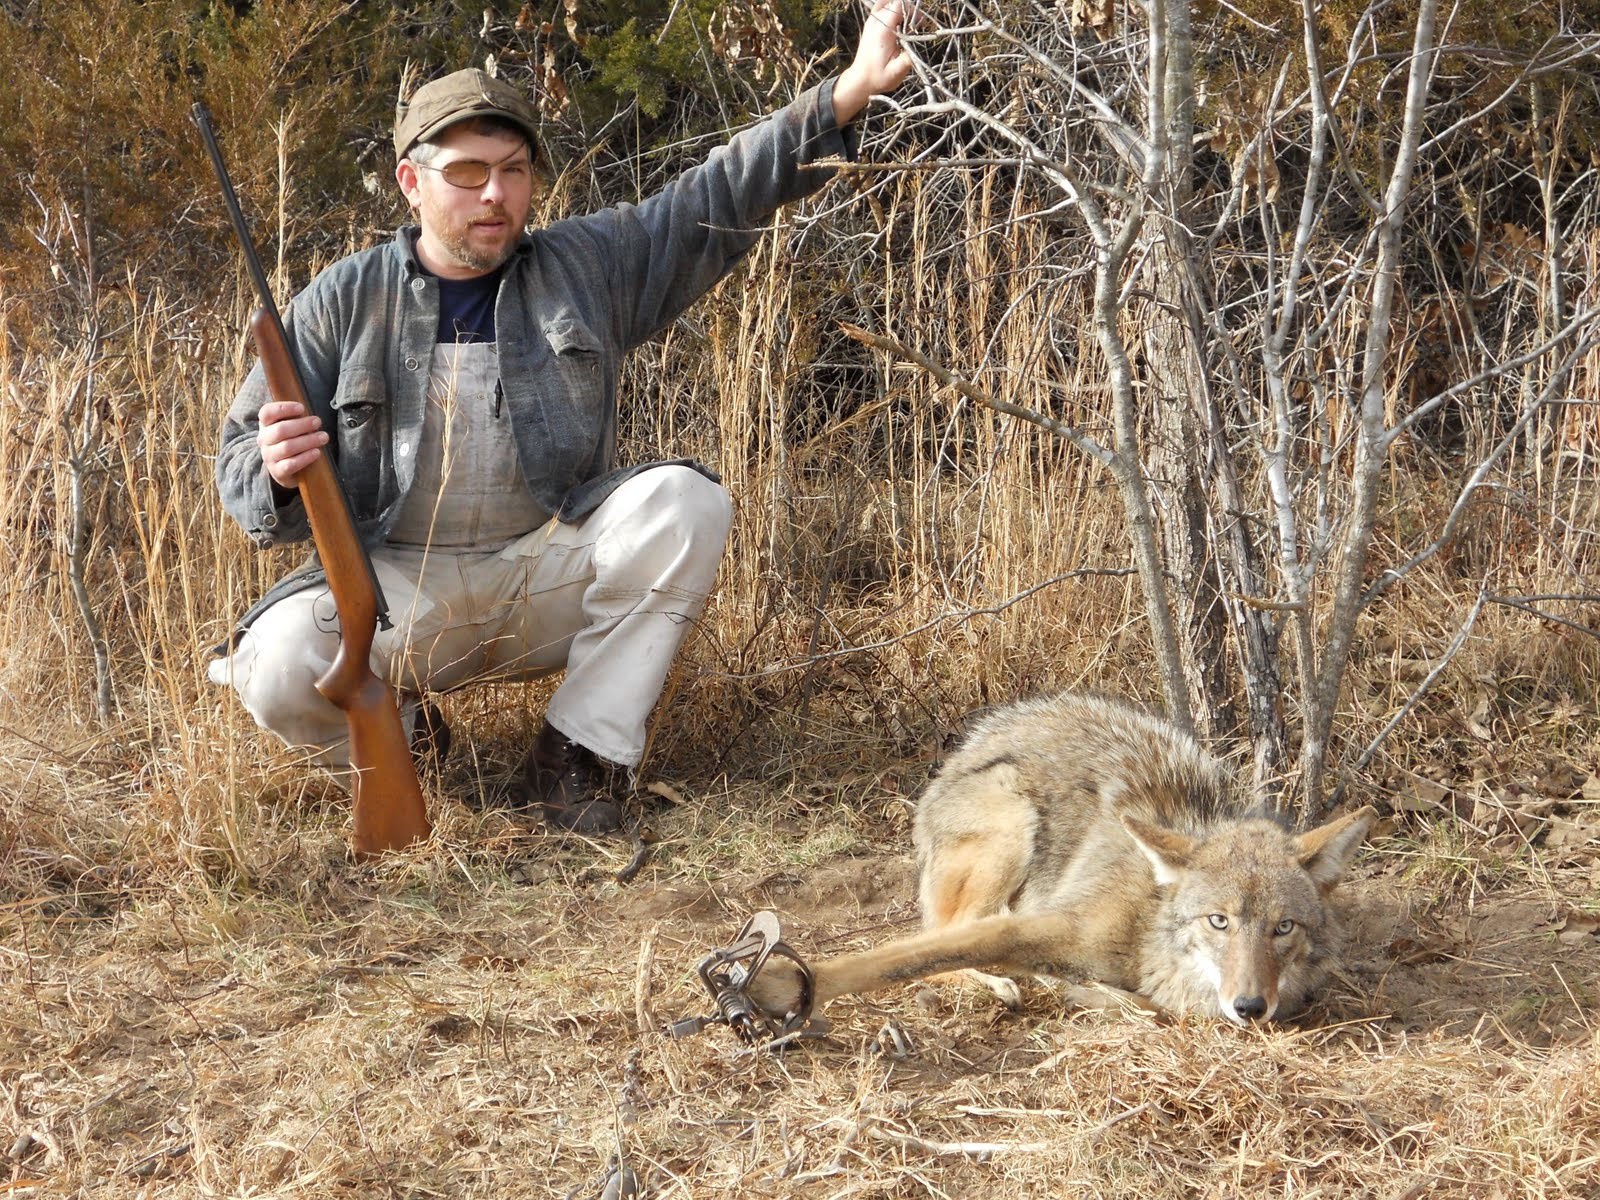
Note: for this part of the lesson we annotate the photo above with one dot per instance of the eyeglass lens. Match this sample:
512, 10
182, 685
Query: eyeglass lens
469, 172
466, 173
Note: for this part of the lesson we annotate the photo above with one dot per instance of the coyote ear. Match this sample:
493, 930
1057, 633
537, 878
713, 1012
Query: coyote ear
1326, 850
1168, 850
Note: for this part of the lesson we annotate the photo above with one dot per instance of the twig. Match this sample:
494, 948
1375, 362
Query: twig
1416, 696
970, 390
644, 1020
1523, 604
941, 619
979, 1150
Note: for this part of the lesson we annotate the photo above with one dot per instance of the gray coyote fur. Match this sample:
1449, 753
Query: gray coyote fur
1079, 837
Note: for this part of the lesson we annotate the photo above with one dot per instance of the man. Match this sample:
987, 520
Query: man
471, 371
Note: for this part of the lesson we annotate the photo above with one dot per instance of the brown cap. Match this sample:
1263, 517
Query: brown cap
463, 94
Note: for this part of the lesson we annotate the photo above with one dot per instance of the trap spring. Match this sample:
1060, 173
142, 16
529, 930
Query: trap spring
727, 973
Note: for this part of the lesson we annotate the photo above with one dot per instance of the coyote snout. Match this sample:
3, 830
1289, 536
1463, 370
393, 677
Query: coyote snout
1082, 838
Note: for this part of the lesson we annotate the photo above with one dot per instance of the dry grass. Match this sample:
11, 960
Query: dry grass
466, 1021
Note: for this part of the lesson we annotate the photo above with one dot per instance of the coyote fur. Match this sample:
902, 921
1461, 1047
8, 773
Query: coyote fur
1079, 837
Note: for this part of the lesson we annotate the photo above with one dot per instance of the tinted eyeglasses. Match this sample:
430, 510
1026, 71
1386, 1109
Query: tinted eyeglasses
470, 173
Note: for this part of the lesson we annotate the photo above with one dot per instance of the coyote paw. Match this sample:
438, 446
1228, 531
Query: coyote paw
1101, 997
1007, 989
777, 989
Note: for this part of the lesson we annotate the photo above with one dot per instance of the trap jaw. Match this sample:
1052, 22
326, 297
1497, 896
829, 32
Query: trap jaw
727, 973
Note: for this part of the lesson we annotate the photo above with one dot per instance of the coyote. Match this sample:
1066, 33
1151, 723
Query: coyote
1079, 837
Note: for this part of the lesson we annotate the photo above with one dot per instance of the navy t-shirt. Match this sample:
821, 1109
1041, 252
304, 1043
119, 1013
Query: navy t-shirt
466, 308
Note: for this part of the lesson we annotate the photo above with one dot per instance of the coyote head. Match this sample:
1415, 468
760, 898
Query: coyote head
1245, 928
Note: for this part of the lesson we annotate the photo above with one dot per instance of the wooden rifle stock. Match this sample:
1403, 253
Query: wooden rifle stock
389, 812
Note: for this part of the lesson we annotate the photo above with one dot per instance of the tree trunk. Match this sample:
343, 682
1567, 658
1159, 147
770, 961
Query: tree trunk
1174, 356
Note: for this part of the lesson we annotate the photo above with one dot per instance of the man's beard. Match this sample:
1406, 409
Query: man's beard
457, 242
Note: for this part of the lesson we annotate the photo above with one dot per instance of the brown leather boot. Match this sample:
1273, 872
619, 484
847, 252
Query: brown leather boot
430, 738
569, 785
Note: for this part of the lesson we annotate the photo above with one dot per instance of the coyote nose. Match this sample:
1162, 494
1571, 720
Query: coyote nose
1250, 1008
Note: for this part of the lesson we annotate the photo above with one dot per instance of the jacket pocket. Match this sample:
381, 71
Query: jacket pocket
360, 395
362, 420
568, 335
579, 419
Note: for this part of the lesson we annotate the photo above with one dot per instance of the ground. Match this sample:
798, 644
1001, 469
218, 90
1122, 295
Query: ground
484, 1016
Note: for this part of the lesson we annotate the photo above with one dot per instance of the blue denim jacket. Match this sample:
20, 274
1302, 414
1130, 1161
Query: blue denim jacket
575, 297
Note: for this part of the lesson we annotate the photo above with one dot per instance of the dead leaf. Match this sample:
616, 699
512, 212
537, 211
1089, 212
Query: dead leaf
1480, 718
1561, 780
1572, 841
1418, 794
666, 791
1430, 791
1098, 15
1387, 827
1261, 172
1412, 670
1510, 251
1579, 929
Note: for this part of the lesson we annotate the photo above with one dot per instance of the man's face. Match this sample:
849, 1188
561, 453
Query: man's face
469, 231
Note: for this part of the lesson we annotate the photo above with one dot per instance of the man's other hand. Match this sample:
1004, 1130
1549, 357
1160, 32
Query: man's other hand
881, 63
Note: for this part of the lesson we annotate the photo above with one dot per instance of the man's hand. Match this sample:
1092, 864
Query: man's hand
290, 440
881, 63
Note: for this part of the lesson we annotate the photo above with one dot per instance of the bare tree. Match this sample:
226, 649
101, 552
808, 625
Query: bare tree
68, 239
1256, 315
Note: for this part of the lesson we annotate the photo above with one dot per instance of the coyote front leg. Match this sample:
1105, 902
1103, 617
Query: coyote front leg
1038, 943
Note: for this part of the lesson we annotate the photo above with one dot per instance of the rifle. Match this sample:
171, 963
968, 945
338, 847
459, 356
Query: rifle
386, 799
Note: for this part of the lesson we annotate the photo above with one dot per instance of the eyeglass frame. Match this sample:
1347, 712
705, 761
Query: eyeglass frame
487, 167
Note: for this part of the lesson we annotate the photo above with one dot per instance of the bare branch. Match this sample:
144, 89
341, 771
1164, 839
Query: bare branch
950, 379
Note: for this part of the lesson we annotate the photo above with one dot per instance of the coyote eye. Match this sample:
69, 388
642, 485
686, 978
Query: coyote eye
1285, 927
1218, 920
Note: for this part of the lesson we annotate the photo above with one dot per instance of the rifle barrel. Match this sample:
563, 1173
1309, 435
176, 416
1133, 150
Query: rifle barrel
208, 134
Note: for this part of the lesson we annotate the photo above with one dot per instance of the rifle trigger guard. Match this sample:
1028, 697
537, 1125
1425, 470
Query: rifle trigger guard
727, 973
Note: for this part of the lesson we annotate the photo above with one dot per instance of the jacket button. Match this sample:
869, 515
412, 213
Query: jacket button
411, 364
269, 520
417, 285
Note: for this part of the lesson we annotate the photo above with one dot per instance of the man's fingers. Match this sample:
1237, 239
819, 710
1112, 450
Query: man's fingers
284, 463
892, 13
881, 40
278, 432
296, 463
283, 449
274, 411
